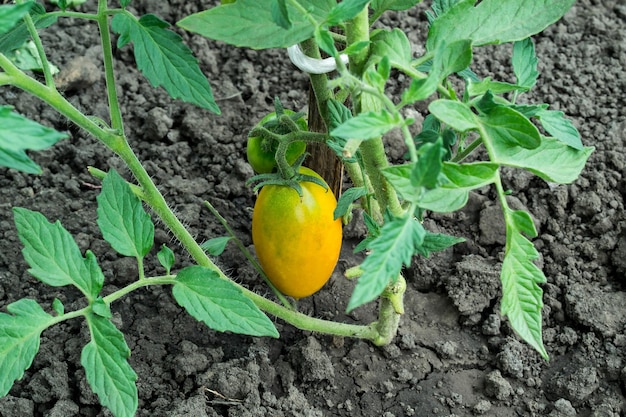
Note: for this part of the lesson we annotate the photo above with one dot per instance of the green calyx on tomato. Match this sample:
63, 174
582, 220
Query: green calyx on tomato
261, 152
296, 238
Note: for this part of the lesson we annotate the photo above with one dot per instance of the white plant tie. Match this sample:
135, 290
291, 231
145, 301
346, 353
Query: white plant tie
313, 65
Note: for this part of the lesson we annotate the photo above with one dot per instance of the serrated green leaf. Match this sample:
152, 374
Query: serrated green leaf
166, 258
521, 294
122, 219
234, 24
110, 376
552, 160
394, 45
436, 242
20, 334
366, 126
54, 256
524, 63
419, 89
338, 113
396, 245
457, 180
495, 21
344, 11
219, 304
455, 114
16, 36
346, 200
17, 134
560, 127
11, 14
325, 41
164, 59
216, 246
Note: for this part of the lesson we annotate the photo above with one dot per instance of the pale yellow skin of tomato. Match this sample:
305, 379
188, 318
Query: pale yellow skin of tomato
296, 239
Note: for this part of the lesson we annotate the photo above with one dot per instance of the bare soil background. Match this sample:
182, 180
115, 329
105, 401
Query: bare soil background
454, 355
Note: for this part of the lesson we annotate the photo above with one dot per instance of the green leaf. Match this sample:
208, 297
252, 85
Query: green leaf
496, 87
382, 5
219, 304
235, 23
508, 127
325, 41
101, 308
457, 180
495, 21
420, 89
280, 14
27, 58
20, 334
11, 14
216, 246
54, 256
436, 242
426, 171
344, 11
521, 294
346, 200
125, 3
64, 4
122, 219
58, 307
110, 376
560, 127
164, 59
18, 35
552, 160
18, 134
455, 114
398, 241
366, 126
524, 62
394, 45
166, 258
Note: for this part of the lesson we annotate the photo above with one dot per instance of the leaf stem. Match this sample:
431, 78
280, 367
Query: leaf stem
45, 65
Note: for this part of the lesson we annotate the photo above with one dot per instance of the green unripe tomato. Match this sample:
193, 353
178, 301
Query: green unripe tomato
260, 152
228, 1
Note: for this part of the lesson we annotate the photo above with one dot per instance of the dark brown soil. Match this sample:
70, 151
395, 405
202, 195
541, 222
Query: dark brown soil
454, 355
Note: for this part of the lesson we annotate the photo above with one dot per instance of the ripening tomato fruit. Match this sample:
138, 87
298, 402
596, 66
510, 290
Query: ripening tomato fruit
260, 152
297, 241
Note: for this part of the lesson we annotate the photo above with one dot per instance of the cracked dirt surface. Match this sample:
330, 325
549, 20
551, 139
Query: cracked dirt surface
454, 355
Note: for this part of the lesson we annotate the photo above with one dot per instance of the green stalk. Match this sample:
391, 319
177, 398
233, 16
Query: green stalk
374, 160
45, 65
107, 55
373, 150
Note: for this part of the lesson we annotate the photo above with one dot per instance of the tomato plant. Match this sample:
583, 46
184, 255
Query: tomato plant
296, 238
261, 151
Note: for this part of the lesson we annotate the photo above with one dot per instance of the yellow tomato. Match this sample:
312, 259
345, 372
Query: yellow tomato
297, 241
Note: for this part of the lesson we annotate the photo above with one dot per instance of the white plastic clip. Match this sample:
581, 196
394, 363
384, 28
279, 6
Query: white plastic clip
313, 65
